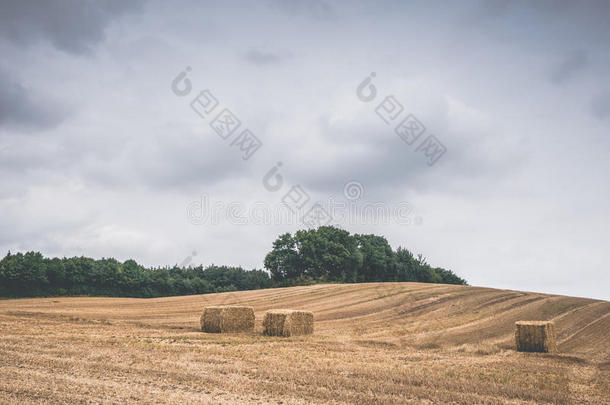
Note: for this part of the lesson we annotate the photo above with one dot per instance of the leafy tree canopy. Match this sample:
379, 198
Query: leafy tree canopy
333, 254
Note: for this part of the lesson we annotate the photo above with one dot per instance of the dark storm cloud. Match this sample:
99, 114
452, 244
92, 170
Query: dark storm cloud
74, 26
25, 108
573, 63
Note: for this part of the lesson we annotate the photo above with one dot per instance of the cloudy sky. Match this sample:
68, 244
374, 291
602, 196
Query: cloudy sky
102, 154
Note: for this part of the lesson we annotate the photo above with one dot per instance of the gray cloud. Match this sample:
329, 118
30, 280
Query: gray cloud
518, 199
574, 62
375, 156
25, 108
74, 26
308, 8
180, 160
259, 57
600, 105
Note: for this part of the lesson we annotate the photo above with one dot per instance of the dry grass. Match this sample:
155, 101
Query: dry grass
420, 343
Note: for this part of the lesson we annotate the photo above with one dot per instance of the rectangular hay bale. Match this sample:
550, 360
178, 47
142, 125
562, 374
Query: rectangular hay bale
226, 319
287, 322
535, 336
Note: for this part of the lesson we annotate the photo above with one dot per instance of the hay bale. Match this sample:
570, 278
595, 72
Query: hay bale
287, 322
225, 319
535, 336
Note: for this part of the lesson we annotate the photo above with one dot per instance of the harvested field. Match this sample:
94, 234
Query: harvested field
373, 343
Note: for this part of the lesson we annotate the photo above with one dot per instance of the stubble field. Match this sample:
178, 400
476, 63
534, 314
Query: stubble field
372, 343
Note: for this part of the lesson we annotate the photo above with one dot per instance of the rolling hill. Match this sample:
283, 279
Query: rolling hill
373, 343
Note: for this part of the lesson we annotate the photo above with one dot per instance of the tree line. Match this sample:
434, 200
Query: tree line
31, 275
327, 254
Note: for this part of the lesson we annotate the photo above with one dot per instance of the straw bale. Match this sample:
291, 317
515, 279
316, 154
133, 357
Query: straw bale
287, 322
535, 336
226, 319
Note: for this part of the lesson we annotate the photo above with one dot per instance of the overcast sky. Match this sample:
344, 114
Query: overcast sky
102, 155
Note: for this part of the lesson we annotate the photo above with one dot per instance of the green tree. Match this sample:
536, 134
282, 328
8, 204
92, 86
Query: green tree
406, 265
328, 253
24, 272
378, 262
283, 261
